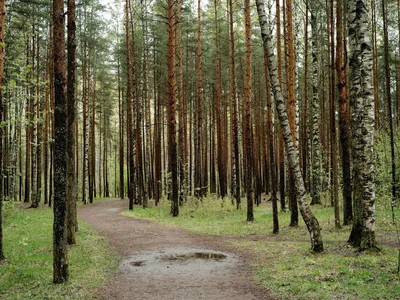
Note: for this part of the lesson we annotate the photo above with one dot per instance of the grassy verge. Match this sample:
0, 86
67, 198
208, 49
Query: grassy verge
283, 262
27, 272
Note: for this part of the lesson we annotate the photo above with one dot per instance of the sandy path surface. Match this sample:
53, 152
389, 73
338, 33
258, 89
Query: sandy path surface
160, 262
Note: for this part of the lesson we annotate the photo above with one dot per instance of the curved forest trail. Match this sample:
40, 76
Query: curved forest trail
160, 262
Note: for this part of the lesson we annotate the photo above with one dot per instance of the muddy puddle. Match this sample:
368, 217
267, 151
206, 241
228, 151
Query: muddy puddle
113, 209
177, 262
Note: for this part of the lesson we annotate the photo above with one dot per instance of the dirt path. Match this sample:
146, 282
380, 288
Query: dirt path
161, 262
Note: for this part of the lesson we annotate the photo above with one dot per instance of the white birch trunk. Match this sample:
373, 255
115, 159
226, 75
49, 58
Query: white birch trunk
292, 152
362, 123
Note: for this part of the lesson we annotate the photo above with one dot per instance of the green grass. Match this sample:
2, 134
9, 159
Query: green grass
28, 271
283, 263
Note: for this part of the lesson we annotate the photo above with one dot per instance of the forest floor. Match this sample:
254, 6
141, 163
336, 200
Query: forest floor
163, 262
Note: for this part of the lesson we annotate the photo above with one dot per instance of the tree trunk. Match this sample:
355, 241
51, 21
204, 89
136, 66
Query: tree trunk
343, 117
171, 122
141, 197
130, 112
316, 154
199, 108
121, 137
389, 104
292, 152
375, 66
234, 116
60, 263
281, 143
33, 120
71, 180
290, 85
2, 29
182, 124
219, 111
362, 121
247, 111
39, 126
270, 141
334, 192
47, 123
85, 114
92, 142
305, 151
27, 192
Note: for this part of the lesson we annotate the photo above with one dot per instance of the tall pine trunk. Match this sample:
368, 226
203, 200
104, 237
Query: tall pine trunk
270, 142
2, 29
290, 86
71, 180
131, 188
171, 122
219, 111
60, 262
234, 112
199, 107
343, 117
121, 138
247, 112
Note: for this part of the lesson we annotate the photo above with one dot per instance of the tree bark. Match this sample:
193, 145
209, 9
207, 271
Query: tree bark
199, 108
343, 117
182, 124
219, 111
281, 143
305, 131
389, 103
121, 138
316, 114
247, 111
270, 142
71, 180
375, 66
2, 29
171, 122
362, 121
60, 263
234, 112
130, 138
292, 152
290, 86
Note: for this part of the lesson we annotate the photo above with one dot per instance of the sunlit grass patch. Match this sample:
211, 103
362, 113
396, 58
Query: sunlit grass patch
27, 272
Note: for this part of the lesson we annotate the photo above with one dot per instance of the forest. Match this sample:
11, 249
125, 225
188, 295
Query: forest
253, 121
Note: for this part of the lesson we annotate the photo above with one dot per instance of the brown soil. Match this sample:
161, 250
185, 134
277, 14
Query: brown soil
160, 262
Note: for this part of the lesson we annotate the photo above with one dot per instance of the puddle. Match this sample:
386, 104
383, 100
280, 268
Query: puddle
195, 255
177, 262
112, 209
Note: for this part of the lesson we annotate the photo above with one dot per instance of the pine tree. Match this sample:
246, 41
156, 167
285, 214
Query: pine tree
60, 265
2, 29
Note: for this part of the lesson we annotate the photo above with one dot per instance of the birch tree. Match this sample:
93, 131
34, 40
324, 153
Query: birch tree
292, 152
362, 124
